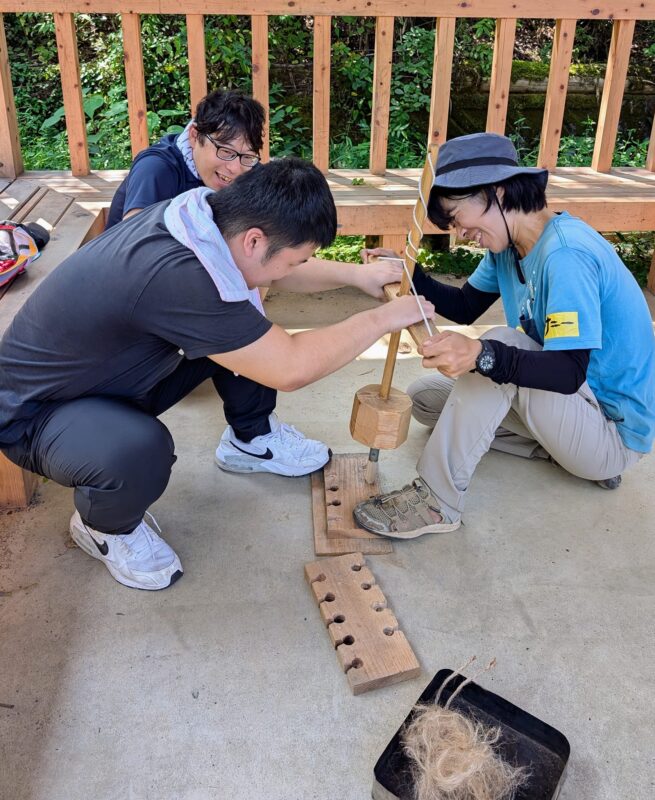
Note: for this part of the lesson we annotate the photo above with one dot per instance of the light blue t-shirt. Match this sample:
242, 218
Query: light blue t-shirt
578, 294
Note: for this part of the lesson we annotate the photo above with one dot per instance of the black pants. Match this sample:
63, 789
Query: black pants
116, 454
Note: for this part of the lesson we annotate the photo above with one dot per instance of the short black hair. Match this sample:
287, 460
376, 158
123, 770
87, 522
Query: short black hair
230, 114
525, 192
288, 198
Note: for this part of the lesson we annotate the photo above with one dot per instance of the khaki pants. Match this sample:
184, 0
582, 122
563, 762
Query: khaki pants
473, 414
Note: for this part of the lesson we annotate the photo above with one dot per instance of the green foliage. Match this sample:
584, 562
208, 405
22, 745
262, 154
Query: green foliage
530, 70
344, 248
636, 250
576, 150
460, 261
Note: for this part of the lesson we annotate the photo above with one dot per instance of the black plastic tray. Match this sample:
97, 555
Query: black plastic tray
524, 741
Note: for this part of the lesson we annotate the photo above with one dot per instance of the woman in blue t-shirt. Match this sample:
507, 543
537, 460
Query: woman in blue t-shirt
572, 376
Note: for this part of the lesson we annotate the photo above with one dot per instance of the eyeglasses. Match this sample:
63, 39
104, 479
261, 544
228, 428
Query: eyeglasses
228, 154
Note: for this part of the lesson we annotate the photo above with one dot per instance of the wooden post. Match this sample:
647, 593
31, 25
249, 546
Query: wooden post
650, 156
501, 75
135, 82
11, 160
381, 94
651, 275
195, 32
16, 485
69, 65
321, 104
558, 83
610, 104
260, 74
444, 46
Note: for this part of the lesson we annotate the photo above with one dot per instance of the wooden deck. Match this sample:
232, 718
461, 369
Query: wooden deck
623, 199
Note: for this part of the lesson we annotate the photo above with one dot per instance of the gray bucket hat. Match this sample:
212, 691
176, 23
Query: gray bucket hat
479, 159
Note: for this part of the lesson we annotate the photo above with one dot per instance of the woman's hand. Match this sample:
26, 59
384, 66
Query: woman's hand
369, 255
451, 353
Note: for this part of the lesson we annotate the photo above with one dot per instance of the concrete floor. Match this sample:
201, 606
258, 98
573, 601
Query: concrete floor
226, 686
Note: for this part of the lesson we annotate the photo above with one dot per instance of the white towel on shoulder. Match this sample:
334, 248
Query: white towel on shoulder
190, 221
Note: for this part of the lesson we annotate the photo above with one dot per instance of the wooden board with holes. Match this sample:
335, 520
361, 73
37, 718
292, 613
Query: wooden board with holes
325, 545
371, 649
345, 486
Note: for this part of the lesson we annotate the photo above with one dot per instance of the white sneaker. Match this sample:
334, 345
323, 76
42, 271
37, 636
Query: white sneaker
284, 451
141, 559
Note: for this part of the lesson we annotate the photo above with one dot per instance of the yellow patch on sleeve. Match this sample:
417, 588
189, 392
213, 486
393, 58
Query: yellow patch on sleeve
564, 323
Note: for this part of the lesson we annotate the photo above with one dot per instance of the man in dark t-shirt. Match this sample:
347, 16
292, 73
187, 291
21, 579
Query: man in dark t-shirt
137, 318
222, 142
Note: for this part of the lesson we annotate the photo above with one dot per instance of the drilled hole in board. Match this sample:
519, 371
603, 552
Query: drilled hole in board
333, 488
329, 598
388, 631
348, 640
356, 663
320, 577
339, 619
356, 567
379, 607
366, 586
334, 503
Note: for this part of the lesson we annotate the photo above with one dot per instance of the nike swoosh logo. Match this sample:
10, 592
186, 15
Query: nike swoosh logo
267, 456
104, 547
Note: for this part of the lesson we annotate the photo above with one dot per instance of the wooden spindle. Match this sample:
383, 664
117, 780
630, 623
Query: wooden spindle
381, 414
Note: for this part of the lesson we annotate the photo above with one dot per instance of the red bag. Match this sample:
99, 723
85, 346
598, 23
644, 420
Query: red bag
19, 246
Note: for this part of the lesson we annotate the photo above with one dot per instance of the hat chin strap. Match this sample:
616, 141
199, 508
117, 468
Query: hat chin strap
512, 246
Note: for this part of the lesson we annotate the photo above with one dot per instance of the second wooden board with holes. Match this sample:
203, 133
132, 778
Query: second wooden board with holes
371, 649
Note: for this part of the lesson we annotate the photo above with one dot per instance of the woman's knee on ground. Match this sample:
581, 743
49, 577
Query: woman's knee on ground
428, 395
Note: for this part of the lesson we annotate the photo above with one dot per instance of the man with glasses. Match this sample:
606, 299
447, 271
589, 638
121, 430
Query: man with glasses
222, 142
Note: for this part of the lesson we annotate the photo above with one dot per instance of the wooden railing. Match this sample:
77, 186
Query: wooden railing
565, 12
624, 200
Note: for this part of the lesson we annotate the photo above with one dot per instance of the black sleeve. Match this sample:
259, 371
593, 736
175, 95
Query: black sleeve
562, 371
462, 306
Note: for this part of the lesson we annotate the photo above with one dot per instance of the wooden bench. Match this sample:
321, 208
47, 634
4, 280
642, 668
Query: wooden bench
69, 225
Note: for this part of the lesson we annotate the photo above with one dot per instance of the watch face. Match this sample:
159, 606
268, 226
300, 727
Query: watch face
486, 362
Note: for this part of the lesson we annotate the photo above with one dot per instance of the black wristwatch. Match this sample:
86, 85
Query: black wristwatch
486, 361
